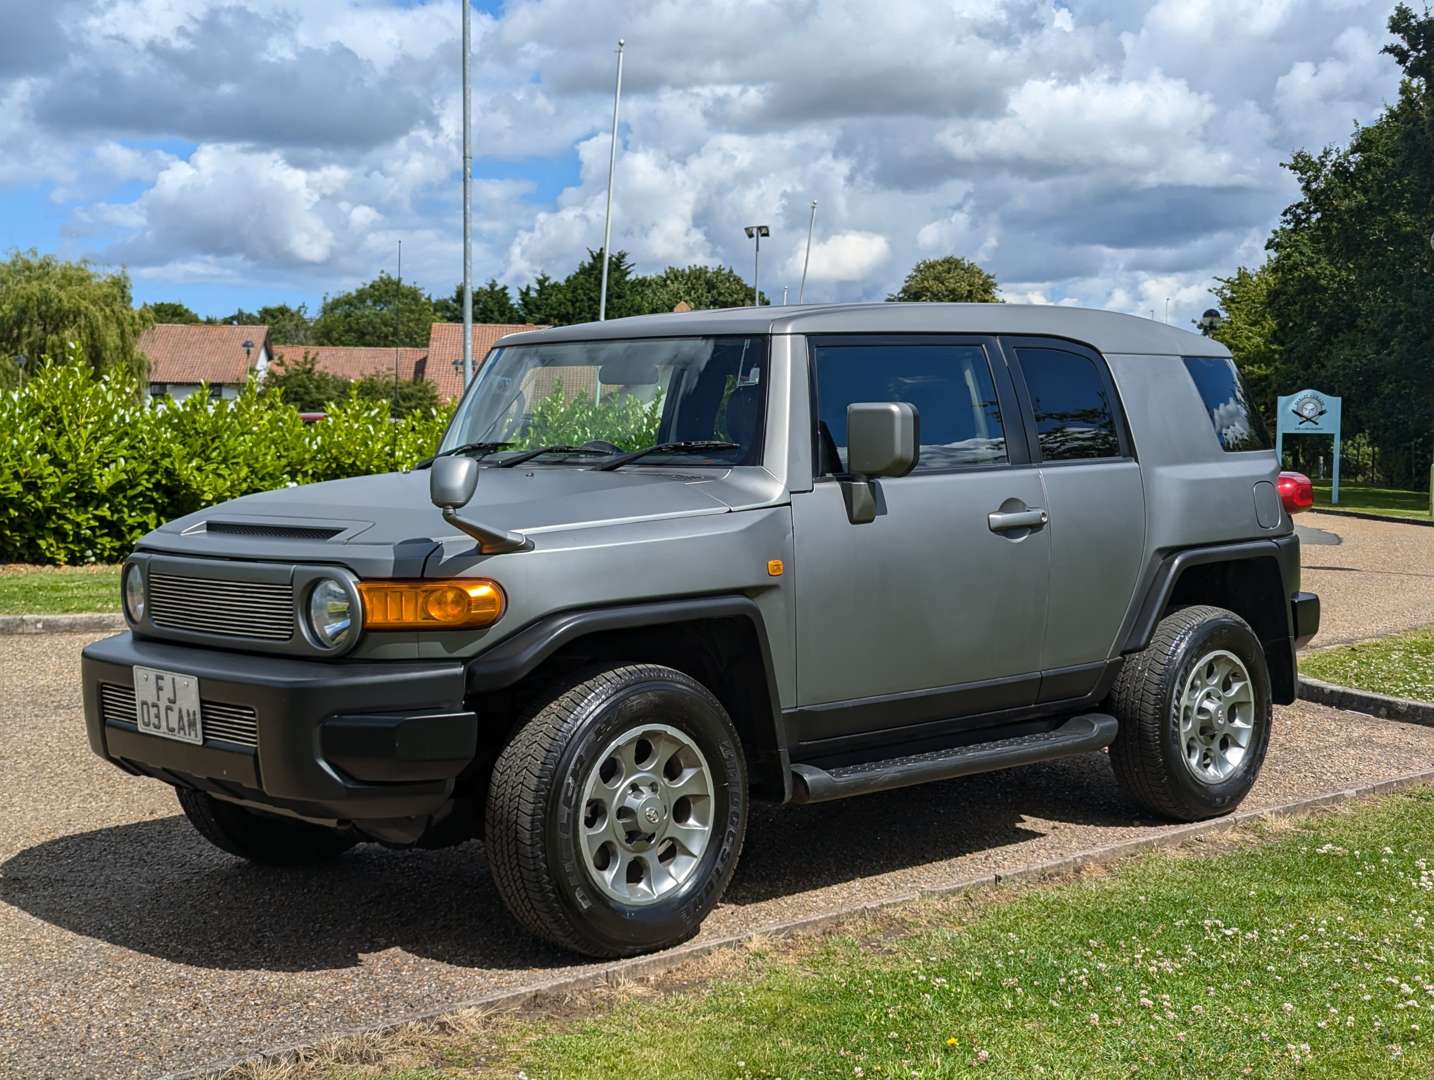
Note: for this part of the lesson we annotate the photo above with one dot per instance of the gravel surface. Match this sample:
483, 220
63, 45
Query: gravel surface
129, 947
1373, 577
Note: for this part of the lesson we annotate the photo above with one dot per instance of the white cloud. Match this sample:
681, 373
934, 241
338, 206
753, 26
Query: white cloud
1108, 154
843, 256
229, 201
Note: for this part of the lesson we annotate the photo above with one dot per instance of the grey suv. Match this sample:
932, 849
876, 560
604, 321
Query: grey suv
660, 567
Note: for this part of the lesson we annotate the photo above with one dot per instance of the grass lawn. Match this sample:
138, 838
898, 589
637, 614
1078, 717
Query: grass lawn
58, 590
1309, 952
1401, 666
1375, 500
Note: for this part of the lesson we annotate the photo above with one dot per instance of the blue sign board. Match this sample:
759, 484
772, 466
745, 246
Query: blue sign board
1309, 412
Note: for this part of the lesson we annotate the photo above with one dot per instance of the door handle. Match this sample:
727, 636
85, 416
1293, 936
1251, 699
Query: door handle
1017, 519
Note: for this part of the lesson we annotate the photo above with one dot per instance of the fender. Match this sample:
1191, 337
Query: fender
515, 657
1165, 570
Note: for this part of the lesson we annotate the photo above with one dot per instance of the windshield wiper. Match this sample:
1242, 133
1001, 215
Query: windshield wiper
529, 455
479, 448
690, 446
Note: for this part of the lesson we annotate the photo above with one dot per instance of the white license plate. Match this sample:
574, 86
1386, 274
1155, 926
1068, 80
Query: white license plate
166, 704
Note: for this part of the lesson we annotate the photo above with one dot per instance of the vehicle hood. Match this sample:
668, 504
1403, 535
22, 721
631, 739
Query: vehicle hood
391, 515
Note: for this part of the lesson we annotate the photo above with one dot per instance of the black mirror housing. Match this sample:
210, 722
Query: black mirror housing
883, 438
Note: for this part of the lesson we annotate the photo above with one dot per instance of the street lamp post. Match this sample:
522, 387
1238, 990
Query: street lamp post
755, 234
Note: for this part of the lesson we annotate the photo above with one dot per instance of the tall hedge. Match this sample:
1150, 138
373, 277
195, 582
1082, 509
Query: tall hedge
88, 465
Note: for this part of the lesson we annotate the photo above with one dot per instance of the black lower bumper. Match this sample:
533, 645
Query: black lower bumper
329, 741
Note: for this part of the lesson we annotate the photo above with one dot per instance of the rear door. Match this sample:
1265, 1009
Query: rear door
1078, 434
936, 609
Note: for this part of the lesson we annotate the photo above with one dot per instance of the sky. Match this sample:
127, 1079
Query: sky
1110, 153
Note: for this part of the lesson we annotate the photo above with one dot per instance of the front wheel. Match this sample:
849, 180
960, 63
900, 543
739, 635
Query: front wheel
1194, 712
616, 814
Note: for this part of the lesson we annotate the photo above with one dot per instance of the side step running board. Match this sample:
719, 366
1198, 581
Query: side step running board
1078, 735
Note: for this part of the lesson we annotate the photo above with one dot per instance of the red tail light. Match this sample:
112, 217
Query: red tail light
1296, 492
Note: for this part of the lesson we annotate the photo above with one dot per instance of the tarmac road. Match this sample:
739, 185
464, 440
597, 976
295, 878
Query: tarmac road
129, 947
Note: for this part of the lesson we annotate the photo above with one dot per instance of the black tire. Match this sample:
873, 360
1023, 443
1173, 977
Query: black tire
1147, 755
534, 812
259, 837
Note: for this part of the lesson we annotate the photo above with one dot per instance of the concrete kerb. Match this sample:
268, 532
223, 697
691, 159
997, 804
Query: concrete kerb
650, 966
1364, 516
61, 624
1366, 701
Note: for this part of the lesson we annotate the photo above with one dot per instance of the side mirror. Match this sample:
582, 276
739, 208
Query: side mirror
451, 484
452, 481
883, 439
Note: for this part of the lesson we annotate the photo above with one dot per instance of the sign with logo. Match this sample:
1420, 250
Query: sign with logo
1309, 412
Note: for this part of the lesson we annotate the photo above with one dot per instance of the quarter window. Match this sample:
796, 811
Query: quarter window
1075, 416
1237, 425
950, 386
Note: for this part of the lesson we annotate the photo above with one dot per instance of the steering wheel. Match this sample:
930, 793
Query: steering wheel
603, 445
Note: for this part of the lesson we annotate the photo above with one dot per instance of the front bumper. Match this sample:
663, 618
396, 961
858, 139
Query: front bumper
329, 741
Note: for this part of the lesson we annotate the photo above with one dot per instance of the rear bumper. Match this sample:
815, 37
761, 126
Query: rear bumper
1304, 617
329, 741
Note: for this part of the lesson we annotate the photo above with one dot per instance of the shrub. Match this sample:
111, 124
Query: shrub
88, 465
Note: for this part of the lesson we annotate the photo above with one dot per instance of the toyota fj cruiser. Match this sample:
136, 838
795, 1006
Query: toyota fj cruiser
662, 566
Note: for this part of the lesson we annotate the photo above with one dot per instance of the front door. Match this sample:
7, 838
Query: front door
937, 608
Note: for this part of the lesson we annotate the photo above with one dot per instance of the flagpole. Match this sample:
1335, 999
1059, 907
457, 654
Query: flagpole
611, 164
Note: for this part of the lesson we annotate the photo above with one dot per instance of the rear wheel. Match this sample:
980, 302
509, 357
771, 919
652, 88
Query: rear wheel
260, 837
616, 814
1194, 711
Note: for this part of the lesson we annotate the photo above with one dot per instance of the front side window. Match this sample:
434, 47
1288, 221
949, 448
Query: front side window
950, 385
621, 396
1237, 425
1075, 417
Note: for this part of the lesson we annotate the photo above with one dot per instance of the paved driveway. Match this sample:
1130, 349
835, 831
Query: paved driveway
128, 946
1373, 577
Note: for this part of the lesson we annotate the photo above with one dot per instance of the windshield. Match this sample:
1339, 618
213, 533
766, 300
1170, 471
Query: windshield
620, 396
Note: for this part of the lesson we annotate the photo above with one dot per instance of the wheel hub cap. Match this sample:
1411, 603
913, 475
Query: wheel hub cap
646, 814
1216, 712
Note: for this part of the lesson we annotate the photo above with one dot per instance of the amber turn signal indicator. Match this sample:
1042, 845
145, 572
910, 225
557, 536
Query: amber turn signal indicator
775, 568
431, 605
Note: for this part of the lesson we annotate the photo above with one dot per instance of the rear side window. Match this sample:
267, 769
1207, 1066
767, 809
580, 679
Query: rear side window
950, 385
1075, 416
1237, 425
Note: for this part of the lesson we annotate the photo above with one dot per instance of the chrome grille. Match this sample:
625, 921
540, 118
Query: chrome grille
239, 609
236, 724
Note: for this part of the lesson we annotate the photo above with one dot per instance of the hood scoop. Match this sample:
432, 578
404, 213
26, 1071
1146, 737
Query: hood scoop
269, 530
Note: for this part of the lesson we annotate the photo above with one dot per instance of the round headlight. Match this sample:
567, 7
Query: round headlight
331, 613
134, 592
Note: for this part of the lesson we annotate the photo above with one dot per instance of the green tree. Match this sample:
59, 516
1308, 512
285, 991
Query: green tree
287, 325
492, 303
948, 280
575, 298
1250, 333
381, 313
304, 386
1352, 295
403, 396
699, 287
167, 311
52, 310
